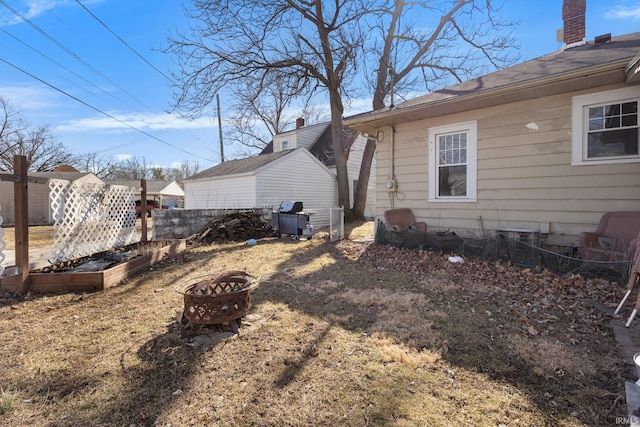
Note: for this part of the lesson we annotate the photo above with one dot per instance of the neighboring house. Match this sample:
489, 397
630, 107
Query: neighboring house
549, 145
265, 181
166, 193
317, 139
40, 212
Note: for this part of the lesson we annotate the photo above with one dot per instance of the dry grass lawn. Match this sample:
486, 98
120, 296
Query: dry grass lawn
40, 236
344, 334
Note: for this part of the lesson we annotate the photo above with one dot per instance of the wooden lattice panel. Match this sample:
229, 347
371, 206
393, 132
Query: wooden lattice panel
90, 218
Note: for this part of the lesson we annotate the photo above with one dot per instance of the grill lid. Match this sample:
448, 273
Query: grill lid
290, 207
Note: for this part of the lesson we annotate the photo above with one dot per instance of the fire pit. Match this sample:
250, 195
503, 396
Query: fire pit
213, 299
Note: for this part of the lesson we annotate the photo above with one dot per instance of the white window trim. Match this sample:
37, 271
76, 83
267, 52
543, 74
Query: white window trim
472, 162
579, 129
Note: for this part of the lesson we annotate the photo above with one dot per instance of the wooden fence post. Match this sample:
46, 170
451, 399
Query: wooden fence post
143, 209
21, 201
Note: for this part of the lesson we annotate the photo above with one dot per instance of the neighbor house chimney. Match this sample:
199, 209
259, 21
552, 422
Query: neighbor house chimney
299, 122
573, 16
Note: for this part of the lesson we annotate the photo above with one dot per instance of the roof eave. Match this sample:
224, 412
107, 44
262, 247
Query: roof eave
230, 175
584, 78
632, 73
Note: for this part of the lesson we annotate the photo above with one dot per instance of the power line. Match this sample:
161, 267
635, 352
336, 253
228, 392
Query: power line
125, 43
128, 143
97, 109
67, 69
70, 52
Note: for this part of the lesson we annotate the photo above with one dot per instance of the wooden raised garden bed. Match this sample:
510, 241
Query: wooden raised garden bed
98, 280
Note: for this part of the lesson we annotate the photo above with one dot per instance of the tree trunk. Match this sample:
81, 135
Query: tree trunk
340, 155
360, 196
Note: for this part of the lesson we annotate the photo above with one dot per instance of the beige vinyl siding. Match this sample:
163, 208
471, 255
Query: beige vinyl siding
235, 192
525, 176
411, 168
299, 177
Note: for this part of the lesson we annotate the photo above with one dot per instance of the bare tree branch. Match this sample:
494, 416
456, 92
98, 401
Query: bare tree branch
38, 145
328, 45
101, 166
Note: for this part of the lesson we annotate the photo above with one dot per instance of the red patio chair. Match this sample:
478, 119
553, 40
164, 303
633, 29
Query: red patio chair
402, 218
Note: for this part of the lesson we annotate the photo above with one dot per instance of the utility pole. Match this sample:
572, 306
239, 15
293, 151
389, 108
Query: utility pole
220, 129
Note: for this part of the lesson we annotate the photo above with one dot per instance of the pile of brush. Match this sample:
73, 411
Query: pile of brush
235, 227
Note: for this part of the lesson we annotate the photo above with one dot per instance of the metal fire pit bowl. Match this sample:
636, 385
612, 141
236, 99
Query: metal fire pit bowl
217, 298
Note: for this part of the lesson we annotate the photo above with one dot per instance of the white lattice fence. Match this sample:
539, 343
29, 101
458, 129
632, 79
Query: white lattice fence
90, 218
3, 245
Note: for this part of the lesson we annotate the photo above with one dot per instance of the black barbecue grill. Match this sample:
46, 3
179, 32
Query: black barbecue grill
291, 219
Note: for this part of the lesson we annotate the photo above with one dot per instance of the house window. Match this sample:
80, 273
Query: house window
604, 127
285, 145
453, 162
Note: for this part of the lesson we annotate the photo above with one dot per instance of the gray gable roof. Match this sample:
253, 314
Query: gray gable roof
321, 146
153, 186
589, 55
587, 66
307, 135
235, 167
68, 176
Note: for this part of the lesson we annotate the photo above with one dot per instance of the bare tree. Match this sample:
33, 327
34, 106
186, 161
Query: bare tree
157, 173
109, 168
10, 121
466, 39
101, 166
322, 45
313, 114
183, 171
262, 110
38, 145
132, 169
259, 111
311, 43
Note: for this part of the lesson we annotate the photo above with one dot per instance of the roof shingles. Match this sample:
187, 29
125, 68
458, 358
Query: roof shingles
236, 167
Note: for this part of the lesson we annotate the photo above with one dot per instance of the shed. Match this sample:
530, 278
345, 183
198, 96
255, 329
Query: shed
318, 140
265, 181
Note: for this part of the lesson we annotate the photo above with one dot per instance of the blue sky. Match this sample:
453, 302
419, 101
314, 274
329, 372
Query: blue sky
70, 50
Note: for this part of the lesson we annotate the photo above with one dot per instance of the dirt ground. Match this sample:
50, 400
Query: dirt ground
344, 334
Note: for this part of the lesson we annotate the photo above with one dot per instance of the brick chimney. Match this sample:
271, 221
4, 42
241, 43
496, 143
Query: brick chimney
299, 122
573, 16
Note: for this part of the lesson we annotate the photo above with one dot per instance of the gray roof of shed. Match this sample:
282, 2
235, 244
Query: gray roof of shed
239, 166
577, 68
